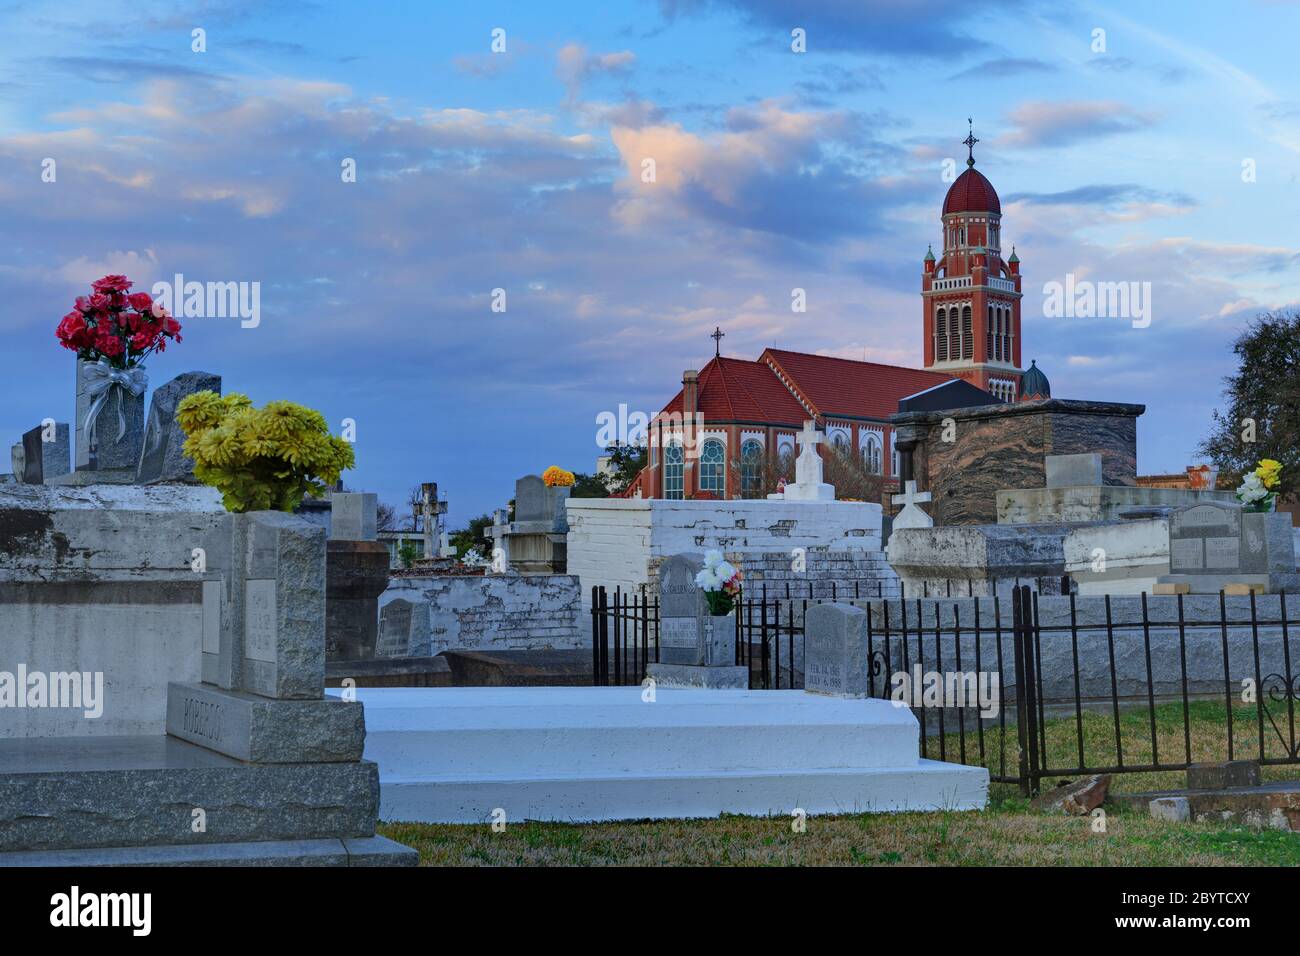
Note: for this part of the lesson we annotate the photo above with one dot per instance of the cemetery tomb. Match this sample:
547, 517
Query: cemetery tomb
206, 682
579, 754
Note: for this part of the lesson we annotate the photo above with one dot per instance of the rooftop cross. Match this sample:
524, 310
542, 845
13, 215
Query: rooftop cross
717, 341
969, 142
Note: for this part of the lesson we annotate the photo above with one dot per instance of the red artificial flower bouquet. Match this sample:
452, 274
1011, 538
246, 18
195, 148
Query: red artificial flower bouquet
117, 326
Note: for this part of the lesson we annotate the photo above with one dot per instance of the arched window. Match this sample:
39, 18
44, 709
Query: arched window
713, 467
988, 343
751, 467
941, 336
872, 457
967, 338
1006, 335
673, 462
840, 442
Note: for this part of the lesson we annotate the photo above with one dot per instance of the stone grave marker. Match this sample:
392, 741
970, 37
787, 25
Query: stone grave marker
354, 516
696, 649
46, 459
18, 461
162, 458
1069, 471
531, 499
836, 662
110, 405
682, 609
394, 629
1205, 539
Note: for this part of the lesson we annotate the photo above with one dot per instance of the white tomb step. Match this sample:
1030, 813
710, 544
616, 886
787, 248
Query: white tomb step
587, 753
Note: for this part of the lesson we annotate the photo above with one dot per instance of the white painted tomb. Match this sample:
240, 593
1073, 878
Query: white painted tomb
456, 755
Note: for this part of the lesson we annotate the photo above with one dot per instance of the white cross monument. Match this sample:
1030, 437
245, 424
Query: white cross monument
911, 516
808, 484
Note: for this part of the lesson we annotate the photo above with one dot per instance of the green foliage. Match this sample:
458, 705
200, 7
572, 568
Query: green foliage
1266, 390
589, 486
260, 459
471, 538
407, 554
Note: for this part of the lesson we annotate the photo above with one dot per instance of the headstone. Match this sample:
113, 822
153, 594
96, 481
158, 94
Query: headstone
162, 459
354, 516
394, 629
1205, 539
682, 609
696, 649
118, 427
1069, 471
47, 453
1213, 545
531, 499
836, 662
18, 460
911, 516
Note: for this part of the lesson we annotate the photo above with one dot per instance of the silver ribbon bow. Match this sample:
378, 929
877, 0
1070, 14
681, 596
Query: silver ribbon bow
100, 378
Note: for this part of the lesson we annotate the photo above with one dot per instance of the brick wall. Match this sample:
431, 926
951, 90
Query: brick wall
484, 612
620, 542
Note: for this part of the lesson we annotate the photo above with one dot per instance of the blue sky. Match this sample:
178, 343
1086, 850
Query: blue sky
521, 170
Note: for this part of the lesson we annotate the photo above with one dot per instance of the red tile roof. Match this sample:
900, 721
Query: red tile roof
738, 390
845, 387
971, 192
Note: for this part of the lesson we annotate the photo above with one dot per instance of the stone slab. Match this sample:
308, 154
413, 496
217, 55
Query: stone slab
713, 677
540, 668
604, 753
390, 672
363, 851
1069, 471
259, 730
1220, 776
81, 793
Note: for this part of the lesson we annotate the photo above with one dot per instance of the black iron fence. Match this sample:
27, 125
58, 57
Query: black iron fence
1031, 686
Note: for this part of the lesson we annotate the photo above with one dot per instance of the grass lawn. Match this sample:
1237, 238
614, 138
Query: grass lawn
1007, 834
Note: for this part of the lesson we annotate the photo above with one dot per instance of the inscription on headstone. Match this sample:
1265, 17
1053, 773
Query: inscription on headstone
394, 629
1205, 539
259, 620
682, 610
836, 662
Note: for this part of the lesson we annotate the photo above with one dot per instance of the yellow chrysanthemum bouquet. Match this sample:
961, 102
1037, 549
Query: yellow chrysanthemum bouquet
260, 458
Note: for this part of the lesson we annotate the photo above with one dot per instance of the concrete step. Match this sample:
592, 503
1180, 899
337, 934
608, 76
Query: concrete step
458, 755
363, 851
550, 732
926, 785
91, 792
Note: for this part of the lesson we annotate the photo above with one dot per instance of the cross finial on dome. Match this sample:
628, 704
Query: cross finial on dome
969, 142
717, 341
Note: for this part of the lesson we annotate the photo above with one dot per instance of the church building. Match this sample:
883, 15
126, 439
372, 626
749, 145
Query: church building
713, 438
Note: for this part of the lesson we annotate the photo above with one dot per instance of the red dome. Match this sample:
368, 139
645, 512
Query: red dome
972, 193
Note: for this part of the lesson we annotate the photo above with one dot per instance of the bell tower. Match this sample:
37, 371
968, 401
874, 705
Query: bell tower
970, 294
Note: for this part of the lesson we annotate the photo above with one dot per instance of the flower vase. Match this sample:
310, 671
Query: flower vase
115, 448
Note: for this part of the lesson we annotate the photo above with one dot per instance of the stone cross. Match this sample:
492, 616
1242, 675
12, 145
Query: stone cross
429, 508
911, 516
808, 484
